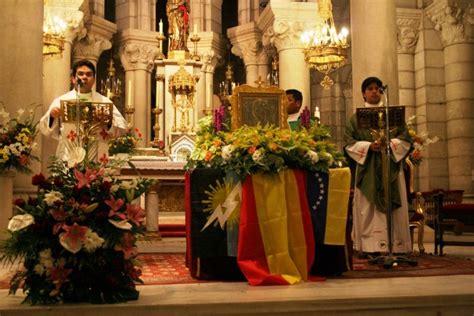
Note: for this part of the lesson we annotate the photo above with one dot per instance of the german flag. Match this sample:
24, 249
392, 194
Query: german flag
276, 243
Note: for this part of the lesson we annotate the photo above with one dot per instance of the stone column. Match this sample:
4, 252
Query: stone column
283, 23
204, 99
408, 23
21, 61
138, 51
453, 21
247, 44
374, 45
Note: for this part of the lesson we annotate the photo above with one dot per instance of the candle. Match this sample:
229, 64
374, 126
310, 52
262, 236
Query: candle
108, 93
161, 25
317, 114
195, 29
129, 94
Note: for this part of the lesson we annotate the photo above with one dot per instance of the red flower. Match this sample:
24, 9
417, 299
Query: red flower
24, 160
73, 237
135, 213
38, 179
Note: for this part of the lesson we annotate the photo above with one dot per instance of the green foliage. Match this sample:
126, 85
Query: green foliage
125, 144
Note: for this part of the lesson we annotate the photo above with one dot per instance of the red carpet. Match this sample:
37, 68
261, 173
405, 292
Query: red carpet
170, 268
172, 230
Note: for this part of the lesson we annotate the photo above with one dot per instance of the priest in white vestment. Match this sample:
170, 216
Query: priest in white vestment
369, 231
83, 77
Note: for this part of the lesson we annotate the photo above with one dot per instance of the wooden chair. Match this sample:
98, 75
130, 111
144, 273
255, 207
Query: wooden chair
434, 201
448, 214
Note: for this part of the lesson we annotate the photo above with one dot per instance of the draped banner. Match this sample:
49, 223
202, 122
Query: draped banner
275, 234
328, 198
211, 224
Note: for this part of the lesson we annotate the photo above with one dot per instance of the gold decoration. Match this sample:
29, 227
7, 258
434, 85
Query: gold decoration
325, 50
53, 35
182, 87
112, 87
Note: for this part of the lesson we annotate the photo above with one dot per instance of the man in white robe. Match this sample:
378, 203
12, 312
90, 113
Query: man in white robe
369, 231
83, 78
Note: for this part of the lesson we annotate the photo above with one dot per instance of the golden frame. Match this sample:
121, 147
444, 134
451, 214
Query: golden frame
91, 111
258, 105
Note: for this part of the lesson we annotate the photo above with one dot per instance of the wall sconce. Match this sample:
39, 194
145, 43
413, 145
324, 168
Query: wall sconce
53, 35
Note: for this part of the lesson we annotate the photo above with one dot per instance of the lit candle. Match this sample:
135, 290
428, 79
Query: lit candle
129, 94
317, 114
161, 25
195, 29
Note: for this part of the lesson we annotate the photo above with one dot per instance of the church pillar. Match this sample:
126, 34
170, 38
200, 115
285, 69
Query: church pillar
204, 101
20, 86
408, 23
453, 21
247, 44
283, 22
138, 51
374, 45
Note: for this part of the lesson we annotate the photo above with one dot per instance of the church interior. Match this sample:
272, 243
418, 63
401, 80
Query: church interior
166, 78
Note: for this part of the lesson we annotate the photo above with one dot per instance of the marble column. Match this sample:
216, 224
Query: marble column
374, 45
453, 21
21, 62
204, 101
138, 51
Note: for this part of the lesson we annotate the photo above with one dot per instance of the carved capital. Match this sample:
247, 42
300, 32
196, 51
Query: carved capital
408, 24
209, 61
69, 12
284, 35
138, 56
452, 20
249, 51
90, 47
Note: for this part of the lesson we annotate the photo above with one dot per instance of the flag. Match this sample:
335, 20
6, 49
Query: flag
328, 199
275, 234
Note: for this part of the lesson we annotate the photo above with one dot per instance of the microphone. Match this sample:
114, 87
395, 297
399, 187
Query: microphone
383, 88
79, 82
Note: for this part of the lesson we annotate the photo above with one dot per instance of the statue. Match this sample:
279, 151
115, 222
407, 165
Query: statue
178, 19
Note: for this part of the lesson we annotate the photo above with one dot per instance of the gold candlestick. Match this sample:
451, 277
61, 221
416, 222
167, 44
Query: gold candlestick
156, 128
129, 110
195, 39
161, 37
207, 111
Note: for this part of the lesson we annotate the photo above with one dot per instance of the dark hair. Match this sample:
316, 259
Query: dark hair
296, 94
370, 80
80, 63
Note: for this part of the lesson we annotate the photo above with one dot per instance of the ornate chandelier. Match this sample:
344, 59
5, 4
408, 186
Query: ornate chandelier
112, 86
325, 50
53, 35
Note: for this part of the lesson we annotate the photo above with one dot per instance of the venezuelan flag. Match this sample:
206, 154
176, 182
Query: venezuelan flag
276, 243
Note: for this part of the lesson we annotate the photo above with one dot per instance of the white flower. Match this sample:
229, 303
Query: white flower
258, 155
114, 188
123, 224
128, 185
329, 158
51, 197
74, 156
227, 151
93, 241
21, 221
313, 156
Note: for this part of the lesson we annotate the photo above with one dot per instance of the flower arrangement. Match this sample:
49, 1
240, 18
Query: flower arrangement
125, 144
420, 142
262, 148
17, 140
77, 238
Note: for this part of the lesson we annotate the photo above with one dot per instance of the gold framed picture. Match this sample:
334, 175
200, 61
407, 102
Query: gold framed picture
258, 105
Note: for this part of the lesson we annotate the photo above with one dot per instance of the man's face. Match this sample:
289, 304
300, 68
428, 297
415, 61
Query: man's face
87, 77
372, 94
293, 105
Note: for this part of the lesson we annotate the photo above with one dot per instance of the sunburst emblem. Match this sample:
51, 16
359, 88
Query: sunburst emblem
223, 204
